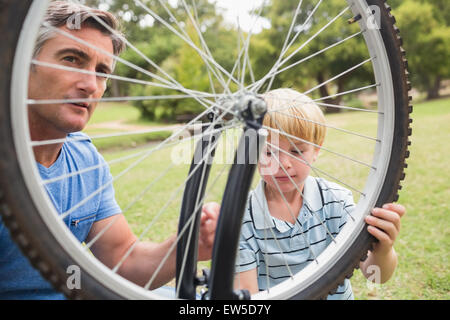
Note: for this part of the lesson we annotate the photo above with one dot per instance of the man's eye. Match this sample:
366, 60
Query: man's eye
70, 59
104, 75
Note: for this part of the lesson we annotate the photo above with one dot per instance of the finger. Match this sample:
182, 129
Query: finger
211, 210
208, 231
384, 225
381, 236
388, 215
398, 208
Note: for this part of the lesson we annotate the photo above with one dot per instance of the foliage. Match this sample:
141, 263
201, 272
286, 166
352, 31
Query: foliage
423, 24
324, 66
426, 38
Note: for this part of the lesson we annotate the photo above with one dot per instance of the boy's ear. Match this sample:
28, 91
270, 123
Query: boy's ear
316, 152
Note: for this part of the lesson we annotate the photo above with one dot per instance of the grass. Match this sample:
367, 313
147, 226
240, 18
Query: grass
107, 112
113, 118
423, 243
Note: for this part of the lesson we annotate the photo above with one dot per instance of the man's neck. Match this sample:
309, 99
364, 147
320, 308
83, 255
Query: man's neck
48, 154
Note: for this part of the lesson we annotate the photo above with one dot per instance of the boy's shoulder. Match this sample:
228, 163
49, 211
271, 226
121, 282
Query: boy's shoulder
329, 186
333, 193
319, 193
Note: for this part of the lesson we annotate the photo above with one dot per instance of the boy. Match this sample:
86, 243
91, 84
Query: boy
291, 217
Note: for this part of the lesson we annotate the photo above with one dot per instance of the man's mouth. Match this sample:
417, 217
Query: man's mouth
82, 105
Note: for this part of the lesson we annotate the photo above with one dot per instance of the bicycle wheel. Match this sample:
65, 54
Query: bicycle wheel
44, 237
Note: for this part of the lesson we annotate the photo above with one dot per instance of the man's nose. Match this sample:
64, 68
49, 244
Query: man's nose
87, 83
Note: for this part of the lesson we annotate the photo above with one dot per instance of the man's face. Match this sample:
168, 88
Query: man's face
49, 83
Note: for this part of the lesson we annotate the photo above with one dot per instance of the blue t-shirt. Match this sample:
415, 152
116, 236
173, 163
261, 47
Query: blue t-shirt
18, 279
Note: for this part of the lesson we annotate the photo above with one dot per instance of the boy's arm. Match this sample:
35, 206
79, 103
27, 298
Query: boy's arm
384, 225
247, 280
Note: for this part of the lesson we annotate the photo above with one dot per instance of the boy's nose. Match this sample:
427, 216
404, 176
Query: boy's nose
285, 161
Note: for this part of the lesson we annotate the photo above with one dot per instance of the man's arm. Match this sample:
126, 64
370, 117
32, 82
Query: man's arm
145, 257
143, 260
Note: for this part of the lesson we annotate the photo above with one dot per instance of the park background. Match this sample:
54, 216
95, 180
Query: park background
423, 244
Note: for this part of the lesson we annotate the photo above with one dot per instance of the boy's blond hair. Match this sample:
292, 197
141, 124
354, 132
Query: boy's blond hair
296, 114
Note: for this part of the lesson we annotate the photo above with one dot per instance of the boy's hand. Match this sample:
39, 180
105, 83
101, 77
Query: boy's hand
384, 225
208, 223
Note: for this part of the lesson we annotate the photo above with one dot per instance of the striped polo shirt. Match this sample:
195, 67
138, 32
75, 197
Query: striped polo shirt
279, 248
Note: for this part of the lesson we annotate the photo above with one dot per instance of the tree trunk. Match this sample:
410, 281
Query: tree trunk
324, 92
115, 89
433, 91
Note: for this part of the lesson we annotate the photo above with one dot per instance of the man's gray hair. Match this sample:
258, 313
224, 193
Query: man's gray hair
74, 16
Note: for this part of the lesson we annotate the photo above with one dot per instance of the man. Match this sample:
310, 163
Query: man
18, 280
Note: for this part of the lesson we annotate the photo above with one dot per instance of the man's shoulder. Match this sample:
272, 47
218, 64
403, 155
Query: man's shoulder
80, 146
80, 140
79, 137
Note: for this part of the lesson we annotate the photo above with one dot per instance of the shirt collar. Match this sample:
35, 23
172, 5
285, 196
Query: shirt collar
312, 200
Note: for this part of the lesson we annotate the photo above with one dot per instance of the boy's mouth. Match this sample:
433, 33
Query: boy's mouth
285, 178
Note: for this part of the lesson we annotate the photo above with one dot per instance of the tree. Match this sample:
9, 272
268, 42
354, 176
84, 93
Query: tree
426, 38
320, 68
184, 63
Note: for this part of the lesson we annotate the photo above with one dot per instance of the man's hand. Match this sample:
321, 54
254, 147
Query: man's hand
208, 223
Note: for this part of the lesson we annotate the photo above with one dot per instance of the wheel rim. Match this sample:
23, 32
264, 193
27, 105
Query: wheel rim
118, 284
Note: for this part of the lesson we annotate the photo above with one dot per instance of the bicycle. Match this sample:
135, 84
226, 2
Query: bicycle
44, 238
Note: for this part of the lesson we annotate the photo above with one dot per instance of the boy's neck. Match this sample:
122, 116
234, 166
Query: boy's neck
278, 204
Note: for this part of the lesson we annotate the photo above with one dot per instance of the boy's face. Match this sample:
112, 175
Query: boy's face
49, 83
275, 166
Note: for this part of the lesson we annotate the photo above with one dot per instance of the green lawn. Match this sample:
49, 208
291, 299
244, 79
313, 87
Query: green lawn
116, 118
423, 243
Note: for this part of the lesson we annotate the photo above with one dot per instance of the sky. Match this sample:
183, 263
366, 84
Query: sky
234, 10
241, 9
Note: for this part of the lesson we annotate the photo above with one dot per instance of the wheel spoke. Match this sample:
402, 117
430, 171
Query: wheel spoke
317, 169
317, 146
130, 156
168, 85
327, 126
162, 210
189, 42
347, 92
